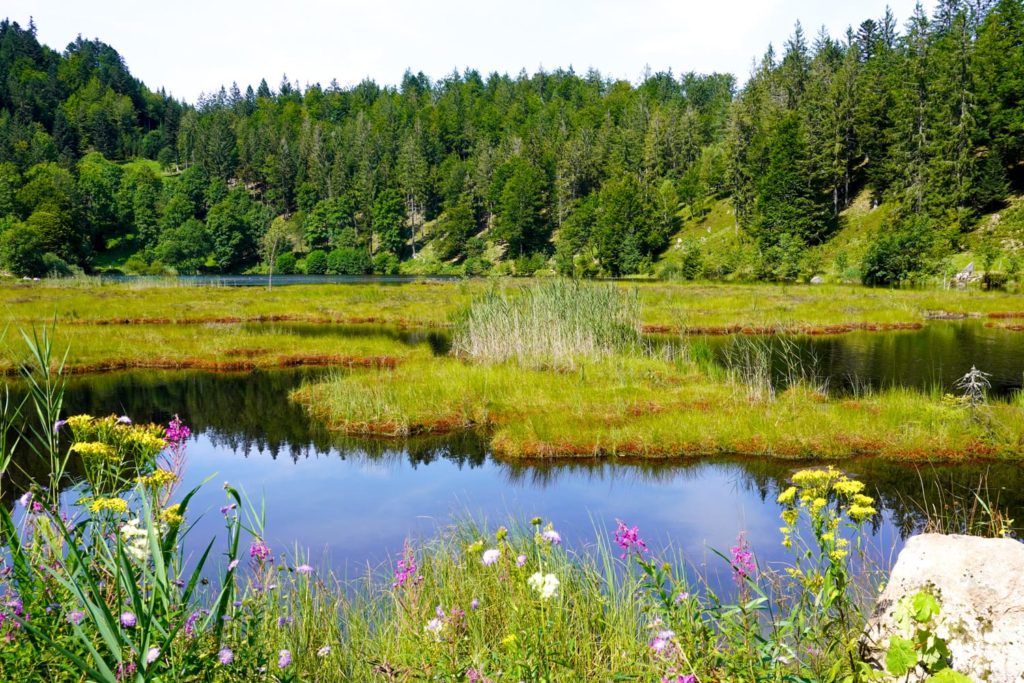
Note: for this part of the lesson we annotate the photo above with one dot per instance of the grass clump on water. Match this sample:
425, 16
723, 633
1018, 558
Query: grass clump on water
551, 323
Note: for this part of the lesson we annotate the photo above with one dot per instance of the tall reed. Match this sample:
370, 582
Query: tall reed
549, 323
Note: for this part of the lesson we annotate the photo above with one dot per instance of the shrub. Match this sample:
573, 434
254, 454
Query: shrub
21, 251
349, 261
316, 262
994, 280
55, 266
897, 255
285, 263
475, 266
385, 263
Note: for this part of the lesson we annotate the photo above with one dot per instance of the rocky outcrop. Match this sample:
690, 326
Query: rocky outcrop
979, 586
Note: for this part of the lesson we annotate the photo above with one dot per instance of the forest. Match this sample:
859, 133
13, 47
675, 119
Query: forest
575, 174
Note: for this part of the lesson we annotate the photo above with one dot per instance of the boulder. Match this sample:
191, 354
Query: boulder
817, 280
979, 585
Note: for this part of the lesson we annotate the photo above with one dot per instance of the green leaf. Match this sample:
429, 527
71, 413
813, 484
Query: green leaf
950, 676
901, 656
925, 607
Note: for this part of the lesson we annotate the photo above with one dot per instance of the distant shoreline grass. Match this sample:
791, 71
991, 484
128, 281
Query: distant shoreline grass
110, 326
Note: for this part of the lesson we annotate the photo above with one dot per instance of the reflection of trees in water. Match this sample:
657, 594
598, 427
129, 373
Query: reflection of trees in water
250, 413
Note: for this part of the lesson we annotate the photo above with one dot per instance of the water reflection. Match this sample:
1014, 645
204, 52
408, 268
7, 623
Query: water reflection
356, 500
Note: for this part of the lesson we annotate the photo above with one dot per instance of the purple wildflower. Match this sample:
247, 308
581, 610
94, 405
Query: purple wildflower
152, 655
474, 603
190, 624
124, 670
259, 551
688, 678
225, 656
57, 425
284, 621
405, 571
232, 564
128, 620
304, 569
75, 617
228, 508
521, 561
324, 651
177, 432
743, 566
628, 538
552, 537
124, 420
25, 499
284, 658
491, 556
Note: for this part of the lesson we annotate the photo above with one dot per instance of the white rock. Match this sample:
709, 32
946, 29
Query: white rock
979, 583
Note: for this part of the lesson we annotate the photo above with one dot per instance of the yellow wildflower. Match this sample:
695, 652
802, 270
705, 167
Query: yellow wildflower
116, 505
861, 499
509, 640
158, 479
859, 513
848, 487
94, 449
790, 515
818, 504
787, 496
172, 515
78, 421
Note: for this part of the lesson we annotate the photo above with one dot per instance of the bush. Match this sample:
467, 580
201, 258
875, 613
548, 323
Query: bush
55, 266
285, 264
349, 261
476, 266
21, 251
897, 255
316, 262
385, 263
994, 280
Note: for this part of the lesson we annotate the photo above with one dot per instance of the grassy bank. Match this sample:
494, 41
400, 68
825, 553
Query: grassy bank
159, 324
433, 303
632, 406
555, 372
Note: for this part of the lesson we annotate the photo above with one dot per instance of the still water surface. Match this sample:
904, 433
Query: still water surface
354, 502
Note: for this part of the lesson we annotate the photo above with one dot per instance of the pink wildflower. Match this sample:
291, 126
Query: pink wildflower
628, 538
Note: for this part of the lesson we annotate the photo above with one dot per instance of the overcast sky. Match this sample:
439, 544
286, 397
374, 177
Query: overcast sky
192, 46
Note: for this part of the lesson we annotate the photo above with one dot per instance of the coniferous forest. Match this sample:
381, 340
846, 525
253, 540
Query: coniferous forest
578, 174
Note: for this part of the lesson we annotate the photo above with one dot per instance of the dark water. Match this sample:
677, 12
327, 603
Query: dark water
934, 356
353, 502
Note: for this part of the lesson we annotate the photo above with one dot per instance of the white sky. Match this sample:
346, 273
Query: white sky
192, 46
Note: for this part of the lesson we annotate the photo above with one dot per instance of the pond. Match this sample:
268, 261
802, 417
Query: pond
352, 502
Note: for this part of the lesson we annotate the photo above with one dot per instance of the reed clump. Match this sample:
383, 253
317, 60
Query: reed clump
553, 323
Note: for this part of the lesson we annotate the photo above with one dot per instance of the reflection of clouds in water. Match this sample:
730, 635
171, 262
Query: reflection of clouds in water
358, 501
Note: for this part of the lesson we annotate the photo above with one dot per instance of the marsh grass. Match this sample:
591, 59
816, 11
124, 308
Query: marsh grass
642, 406
948, 508
553, 323
772, 364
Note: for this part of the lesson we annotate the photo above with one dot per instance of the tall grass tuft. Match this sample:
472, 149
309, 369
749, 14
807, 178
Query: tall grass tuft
551, 323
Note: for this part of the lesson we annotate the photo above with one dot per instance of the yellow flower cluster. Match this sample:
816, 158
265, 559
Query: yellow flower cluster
116, 505
158, 479
172, 515
145, 440
94, 449
79, 421
812, 489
